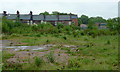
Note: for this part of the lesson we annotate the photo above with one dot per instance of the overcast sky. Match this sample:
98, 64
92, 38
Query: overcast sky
105, 8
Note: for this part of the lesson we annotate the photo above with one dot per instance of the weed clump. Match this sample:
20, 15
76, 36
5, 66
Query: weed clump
65, 38
47, 41
108, 42
73, 63
38, 61
50, 57
38, 35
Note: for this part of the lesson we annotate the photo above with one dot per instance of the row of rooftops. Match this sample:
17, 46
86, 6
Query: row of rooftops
40, 17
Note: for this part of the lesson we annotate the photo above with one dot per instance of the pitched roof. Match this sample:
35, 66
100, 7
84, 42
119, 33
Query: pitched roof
51, 17
41, 17
38, 17
11, 16
64, 17
74, 16
25, 17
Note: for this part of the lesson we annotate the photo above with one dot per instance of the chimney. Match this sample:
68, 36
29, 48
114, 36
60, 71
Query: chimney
31, 16
58, 16
4, 13
44, 17
71, 16
18, 14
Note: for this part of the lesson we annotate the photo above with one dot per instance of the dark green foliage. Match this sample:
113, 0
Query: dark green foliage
38, 61
47, 41
60, 25
9, 27
44, 13
79, 21
12, 66
108, 42
38, 35
84, 19
73, 63
64, 37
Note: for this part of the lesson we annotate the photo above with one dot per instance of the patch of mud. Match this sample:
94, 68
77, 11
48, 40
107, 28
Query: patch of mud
28, 57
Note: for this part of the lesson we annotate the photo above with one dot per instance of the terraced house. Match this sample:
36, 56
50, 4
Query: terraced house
34, 19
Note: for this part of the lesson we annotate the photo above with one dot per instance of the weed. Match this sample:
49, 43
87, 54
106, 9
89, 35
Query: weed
47, 41
51, 57
11, 66
65, 38
108, 42
73, 63
38, 61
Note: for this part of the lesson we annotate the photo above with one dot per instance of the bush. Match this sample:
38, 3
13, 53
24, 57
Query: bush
38, 61
51, 57
65, 38
108, 42
47, 41
73, 63
11, 66
59, 25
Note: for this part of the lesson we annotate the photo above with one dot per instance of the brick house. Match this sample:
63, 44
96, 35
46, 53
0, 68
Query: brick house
34, 19
101, 25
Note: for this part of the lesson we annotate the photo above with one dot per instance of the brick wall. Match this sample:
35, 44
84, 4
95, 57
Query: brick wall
75, 21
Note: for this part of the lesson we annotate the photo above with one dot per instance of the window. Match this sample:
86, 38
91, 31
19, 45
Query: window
41, 21
73, 22
55, 22
69, 22
27, 22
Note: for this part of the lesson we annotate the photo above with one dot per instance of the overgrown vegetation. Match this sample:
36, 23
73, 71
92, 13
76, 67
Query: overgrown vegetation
50, 57
96, 48
38, 61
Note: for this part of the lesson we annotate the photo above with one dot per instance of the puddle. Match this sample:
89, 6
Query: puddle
47, 46
16, 48
70, 46
38, 48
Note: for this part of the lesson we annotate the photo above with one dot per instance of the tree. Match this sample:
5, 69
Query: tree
46, 13
55, 12
84, 19
79, 21
93, 20
113, 24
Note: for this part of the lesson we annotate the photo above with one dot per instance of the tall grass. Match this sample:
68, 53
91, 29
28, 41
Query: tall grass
38, 61
51, 57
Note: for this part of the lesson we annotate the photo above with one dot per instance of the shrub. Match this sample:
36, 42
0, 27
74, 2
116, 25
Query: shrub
51, 57
108, 42
59, 25
38, 35
73, 63
38, 61
47, 41
65, 38
11, 66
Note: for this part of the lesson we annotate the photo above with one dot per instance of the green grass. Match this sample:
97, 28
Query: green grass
99, 53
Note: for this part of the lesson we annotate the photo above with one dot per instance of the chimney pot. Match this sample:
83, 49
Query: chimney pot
58, 16
5, 13
71, 16
17, 12
30, 12
44, 17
